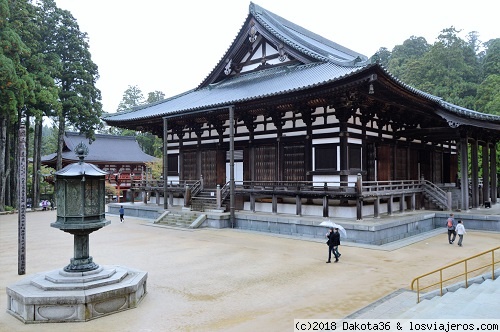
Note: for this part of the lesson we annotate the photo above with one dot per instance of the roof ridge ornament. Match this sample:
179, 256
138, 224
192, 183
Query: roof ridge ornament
281, 50
227, 68
252, 34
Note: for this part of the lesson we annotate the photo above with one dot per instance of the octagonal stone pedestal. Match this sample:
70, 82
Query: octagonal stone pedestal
59, 296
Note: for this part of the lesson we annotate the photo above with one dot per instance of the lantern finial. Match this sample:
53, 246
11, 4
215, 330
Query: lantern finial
81, 151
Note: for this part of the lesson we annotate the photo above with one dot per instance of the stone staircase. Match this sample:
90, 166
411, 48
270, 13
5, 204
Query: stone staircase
181, 219
479, 300
206, 200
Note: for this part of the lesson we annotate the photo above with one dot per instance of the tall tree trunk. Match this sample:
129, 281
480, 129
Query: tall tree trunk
37, 147
11, 165
3, 159
60, 141
14, 164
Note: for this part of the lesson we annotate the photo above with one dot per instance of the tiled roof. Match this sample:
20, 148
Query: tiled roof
334, 62
256, 85
105, 148
304, 40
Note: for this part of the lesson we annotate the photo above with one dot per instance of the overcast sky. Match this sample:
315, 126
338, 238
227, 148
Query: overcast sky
171, 46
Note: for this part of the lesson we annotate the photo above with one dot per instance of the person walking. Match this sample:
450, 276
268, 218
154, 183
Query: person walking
122, 213
336, 244
451, 224
460, 231
333, 242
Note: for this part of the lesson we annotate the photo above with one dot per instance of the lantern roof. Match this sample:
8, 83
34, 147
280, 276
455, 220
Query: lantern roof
81, 168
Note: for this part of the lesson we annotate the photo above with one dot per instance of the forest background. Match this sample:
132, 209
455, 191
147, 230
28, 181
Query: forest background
47, 72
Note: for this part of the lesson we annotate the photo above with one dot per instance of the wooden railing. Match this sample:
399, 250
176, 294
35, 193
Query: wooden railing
465, 271
381, 188
436, 193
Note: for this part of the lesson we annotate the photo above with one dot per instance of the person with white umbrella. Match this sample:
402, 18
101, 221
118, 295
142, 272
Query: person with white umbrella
333, 244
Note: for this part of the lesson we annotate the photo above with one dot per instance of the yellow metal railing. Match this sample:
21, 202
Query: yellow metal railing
466, 271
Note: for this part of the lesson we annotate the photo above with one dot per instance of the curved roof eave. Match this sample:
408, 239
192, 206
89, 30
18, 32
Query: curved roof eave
462, 112
256, 85
279, 81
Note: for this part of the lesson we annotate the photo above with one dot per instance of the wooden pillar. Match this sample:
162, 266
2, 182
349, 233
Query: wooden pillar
402, 203
275, 204
252, 202
231, 166
359, 194
376, 207
325, 206
298, 205
165, 164
486, 174
389, 205
474, 174
344, 162
413, 202
493, 173
464, 173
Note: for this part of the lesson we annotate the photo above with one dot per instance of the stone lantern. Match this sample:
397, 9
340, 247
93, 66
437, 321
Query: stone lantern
82, 290
81, 195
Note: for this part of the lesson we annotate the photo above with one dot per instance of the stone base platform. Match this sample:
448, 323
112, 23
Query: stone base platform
59, 296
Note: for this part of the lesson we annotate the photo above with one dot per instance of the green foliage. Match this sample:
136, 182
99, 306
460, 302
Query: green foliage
156, 168
132, 97
9, 208
488, 95
155, 96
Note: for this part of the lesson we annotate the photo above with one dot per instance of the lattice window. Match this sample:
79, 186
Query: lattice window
355, 157
265, 163
437, 167
294, 162
189, 165
401, 164
209, 168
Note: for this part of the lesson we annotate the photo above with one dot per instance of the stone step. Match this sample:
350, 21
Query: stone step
472, 302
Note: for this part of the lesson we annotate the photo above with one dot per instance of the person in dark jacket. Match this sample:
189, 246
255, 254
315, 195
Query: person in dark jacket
333, 243
122, 213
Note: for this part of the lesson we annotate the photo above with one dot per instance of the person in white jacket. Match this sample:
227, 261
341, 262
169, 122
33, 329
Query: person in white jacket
460, 232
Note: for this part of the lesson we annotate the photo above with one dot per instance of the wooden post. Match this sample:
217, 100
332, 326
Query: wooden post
402, 203
474, 174
389, 205
298, 205
486, 175
231, 165
464, 172
252, 202
21, 231
325, 206
376, 207
275, 204
493, 173
359, 201
165, 163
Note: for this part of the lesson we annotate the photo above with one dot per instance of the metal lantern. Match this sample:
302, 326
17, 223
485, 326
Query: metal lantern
80, 190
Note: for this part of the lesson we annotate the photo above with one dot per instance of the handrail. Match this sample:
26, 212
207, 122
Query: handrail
224, 191
196, 188
466, 272
437, 193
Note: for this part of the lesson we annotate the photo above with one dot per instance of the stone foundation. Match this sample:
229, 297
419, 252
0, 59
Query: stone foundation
59, 296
